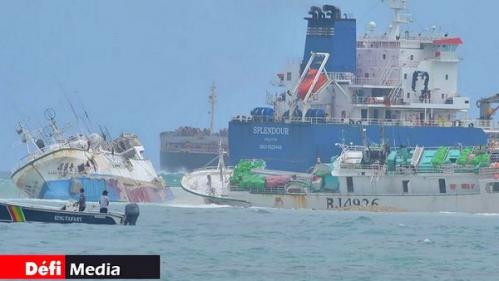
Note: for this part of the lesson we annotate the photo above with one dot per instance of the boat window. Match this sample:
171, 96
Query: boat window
495, 187
349, 184
288, 76
446, 76
384, 56
441, 185
405, 75
412, 57
405, 186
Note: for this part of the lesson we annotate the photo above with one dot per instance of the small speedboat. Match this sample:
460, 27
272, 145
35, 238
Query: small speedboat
14, 212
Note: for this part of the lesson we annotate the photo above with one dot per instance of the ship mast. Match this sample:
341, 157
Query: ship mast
212, 99
398, 18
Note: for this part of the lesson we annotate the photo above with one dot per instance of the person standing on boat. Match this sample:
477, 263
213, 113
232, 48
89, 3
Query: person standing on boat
82, 202
104, 202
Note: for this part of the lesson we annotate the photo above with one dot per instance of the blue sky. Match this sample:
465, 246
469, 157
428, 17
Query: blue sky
146, 66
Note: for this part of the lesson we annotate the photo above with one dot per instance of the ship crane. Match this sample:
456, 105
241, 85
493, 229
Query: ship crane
485, 106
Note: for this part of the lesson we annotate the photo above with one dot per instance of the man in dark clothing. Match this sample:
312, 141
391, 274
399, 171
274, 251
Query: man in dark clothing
82, 202
104, 202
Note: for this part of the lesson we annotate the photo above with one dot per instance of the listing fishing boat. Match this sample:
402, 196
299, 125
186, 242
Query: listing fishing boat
370, 178
57, 166
15, 212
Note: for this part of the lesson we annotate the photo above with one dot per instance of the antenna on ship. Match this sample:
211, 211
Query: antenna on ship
398, 18
212, 99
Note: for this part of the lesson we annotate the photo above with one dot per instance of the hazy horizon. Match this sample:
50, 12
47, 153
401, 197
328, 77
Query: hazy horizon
147, 67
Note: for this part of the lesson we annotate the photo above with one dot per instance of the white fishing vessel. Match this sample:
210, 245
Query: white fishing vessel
450, 179
57, 167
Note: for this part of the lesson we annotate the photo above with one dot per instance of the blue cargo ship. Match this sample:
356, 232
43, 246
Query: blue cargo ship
393, 87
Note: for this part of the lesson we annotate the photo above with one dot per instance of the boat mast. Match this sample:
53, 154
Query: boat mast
212, 98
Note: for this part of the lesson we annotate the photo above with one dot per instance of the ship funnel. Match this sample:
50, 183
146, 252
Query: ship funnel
332, 12
329, 32
315, 12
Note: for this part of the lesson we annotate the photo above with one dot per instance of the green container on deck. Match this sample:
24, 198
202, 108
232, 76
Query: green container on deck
331, 183
391, 160
322, 170
463, 158
242, 174
440, 156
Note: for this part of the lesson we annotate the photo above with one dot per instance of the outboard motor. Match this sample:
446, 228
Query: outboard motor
131, 213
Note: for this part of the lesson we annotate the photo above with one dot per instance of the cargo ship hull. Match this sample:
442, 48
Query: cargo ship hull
299, 146
184, 161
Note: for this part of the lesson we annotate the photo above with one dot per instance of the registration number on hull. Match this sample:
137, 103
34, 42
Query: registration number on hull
338, 202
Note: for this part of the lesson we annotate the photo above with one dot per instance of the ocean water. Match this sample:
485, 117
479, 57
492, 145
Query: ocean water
206, 242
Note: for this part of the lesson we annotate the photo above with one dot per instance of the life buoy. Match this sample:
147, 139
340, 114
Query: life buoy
359, 122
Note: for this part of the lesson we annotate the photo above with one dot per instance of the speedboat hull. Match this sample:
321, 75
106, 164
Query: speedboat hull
10, 213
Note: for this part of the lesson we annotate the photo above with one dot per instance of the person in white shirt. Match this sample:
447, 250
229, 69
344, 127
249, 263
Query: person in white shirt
104, 202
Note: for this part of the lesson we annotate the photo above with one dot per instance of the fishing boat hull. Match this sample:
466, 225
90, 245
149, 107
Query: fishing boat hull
472, 194
11, 213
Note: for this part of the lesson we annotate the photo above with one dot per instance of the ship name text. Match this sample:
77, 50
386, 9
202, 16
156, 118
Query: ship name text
338, 203
260, 130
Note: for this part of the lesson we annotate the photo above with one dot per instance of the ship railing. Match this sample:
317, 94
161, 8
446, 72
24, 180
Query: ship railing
489, 173
341, 76
378, 100
265, 190
410, 170
385, 42
376, 82
483, 124
42, 151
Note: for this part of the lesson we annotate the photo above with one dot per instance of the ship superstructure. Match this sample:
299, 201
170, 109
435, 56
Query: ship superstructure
57, 167
398, 86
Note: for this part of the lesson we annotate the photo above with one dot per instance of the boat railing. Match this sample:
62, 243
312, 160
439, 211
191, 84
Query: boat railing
57, 146
489, 173
40, 152
405, 170
265, 190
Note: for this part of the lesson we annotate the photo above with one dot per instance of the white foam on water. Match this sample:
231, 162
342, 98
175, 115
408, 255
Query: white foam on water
486, 214
200, 206
449, 213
